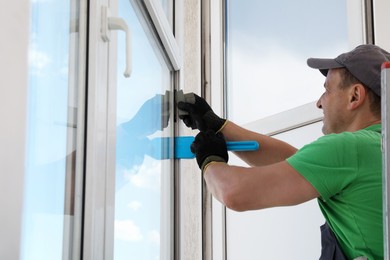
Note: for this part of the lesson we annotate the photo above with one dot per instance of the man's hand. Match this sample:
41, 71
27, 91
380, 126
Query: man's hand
200, 115
209, 147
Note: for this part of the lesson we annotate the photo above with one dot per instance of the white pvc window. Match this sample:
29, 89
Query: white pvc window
271, 90
144, 202
128, 188
52, 214
144, 163
59, 126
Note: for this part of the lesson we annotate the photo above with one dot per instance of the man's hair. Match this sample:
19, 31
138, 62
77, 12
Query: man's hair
347, 79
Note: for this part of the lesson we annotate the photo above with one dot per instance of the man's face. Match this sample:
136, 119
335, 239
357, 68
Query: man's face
334, 102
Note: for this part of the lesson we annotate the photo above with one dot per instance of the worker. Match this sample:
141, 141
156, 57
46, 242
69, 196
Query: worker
342, 169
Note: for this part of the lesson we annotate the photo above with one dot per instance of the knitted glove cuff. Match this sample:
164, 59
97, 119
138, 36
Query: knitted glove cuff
211, 159
213, 121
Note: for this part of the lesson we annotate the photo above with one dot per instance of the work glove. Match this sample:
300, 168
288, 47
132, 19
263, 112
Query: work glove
200, 115
209, 147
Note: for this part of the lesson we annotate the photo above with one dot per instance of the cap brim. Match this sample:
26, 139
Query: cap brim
323, 64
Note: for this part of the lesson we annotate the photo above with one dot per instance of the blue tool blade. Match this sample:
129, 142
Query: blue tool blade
161, 147
183, 144
182, 147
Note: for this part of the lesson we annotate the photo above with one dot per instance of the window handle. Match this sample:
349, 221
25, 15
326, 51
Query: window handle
116, 23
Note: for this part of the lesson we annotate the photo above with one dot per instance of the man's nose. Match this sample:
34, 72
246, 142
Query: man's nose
319, 103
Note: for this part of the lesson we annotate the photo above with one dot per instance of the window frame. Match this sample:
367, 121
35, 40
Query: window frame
99, 209
279, 123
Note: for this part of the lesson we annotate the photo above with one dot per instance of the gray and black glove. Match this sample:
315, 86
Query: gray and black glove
209, 147
200, 115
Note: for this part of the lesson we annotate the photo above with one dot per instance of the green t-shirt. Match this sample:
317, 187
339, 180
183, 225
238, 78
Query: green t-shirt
346, 170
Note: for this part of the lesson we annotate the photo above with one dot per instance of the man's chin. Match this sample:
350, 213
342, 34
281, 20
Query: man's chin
325, 131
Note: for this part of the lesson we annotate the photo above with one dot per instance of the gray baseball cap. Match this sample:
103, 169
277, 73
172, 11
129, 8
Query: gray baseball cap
364, 62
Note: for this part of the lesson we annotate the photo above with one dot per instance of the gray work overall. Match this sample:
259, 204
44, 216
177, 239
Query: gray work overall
331, 249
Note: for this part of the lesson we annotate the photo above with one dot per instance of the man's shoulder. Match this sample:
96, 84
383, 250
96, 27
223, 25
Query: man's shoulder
334, 139
370, 133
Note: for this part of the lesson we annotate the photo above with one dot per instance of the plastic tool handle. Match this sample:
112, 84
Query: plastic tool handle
242, 146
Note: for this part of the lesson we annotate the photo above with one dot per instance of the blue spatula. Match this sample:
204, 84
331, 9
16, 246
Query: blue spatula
162, 147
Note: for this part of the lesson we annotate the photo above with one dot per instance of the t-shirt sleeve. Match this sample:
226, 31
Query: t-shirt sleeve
328, 163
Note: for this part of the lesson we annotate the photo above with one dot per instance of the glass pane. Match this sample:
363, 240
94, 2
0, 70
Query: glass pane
167, 5
52, 106
144, 172
268, 44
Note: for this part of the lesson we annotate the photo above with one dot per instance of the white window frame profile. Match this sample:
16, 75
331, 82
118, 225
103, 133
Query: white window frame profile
99, 202
164, 30
73, 246
99, 141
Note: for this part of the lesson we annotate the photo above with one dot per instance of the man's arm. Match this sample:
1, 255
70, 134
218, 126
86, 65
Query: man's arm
270, 151
242, 189
199, 115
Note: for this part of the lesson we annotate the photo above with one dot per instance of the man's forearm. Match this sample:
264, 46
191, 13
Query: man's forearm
271, 150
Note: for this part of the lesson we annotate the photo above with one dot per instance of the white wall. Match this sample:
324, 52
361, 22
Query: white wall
14, 18
381, 23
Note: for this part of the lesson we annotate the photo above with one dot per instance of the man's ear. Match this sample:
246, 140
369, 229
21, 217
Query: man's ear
358, 95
